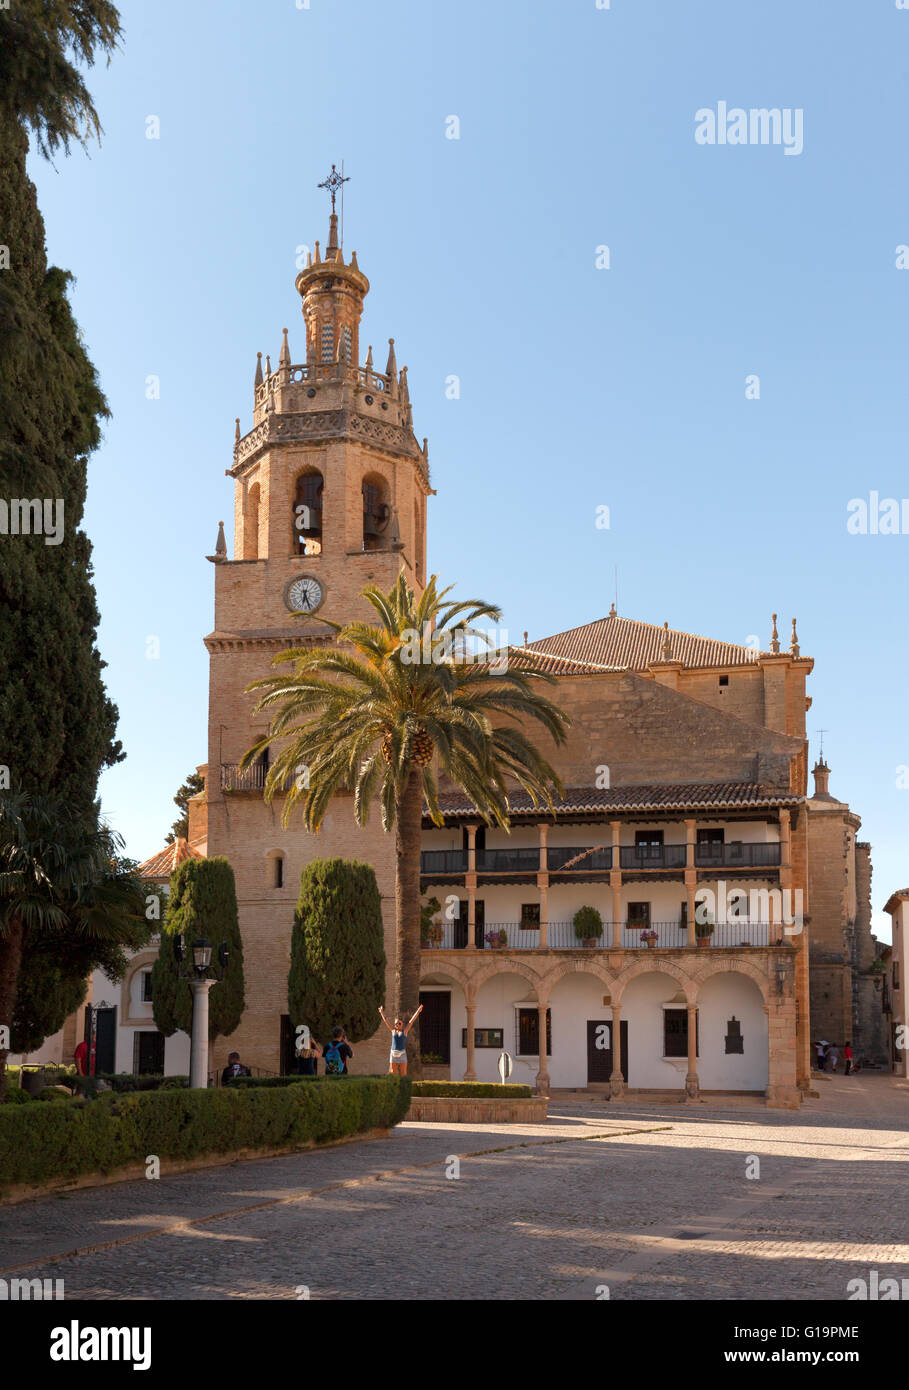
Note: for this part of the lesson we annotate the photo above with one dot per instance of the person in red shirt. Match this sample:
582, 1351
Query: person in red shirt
80, 1057
847, 1058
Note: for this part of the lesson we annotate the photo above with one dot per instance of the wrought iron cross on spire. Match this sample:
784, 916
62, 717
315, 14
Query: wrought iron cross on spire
335, 184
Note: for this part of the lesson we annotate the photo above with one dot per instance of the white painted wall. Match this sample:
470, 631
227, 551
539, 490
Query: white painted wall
578, 997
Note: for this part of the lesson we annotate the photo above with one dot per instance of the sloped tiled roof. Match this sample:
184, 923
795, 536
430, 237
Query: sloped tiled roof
623, 643
162, 864
666, 796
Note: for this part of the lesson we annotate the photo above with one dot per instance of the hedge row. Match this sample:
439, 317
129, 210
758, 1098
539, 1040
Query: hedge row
42, 1142
471, 1090
123, 1081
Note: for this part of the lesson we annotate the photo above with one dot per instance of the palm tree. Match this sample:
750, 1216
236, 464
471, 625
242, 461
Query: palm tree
60, 880
371, 713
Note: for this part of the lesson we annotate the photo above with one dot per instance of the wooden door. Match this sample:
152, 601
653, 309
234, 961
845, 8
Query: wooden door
599, 1050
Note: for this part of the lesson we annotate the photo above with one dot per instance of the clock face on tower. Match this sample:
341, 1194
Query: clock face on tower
304, 594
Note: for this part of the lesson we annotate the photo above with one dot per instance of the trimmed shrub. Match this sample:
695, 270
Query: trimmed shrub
588, 924
469, 1090
14, 1096
66, 1141
202, 902
337, 951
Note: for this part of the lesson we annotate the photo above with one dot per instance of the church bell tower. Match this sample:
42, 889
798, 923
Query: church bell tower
330, 492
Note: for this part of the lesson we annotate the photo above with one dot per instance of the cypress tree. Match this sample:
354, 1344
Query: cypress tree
337, 955
57, 725
202, 903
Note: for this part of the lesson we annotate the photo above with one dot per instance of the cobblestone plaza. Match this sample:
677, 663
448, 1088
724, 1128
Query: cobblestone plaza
651, 1201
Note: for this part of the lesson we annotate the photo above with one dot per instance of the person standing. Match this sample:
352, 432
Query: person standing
234, 1068
834, 1056
848, 1059
819, 1060
337, 1054
397, 1061
308, 1059
80, 1057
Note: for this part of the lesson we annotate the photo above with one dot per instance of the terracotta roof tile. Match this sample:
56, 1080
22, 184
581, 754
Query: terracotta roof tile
623, 643
661, 797
162, 864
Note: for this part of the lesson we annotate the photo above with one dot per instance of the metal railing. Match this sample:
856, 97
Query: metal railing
250, 780
561, 936
737, 854
652, 856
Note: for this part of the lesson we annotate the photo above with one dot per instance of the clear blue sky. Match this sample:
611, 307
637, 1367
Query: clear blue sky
579, 387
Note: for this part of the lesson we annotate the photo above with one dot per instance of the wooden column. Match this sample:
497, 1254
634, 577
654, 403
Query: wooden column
543, 886
691, 878
691, 1080
615, 881
542, 1085
616, 1080
470, 1074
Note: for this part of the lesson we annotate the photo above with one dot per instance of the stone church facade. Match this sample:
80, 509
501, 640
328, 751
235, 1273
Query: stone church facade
685, 773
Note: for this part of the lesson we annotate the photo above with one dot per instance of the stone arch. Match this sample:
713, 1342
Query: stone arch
733, 965
447, 971
306, 518
563, 968
376, 510
139, 962
661, 967
509, 966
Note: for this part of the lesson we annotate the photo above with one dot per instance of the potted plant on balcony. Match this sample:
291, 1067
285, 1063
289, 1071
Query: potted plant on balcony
431, 931
497, 938
588, 926
650, 937
703, 931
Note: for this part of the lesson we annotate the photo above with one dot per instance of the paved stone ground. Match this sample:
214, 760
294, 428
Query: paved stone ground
650, 1199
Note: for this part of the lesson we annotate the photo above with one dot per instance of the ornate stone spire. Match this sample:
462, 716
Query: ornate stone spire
237, 432
391, 366
258, 377
284, 359
794, 644
774, 638
612, 612
220, 554
667, 645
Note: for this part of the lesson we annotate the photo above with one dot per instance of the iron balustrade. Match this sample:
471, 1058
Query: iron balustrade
652, 856
443, 861
559, 858
671, 936
561, 936
252, 779
737, 854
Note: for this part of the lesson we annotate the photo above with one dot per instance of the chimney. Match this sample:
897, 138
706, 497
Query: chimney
821, 774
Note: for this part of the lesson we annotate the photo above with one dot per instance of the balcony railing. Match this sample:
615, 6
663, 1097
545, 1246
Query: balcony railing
737, 854
652, 856
251, 780
560, 858
561, 936
565, 859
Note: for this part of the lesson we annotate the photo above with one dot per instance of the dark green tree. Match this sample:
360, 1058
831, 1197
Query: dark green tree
337, 953
202, 903
67, 902
57, 725
194, 783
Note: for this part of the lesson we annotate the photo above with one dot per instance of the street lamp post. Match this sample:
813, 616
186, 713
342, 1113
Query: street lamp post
200, 982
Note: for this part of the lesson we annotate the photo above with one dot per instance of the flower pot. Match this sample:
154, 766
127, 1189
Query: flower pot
589, 942
650, 945
703, 940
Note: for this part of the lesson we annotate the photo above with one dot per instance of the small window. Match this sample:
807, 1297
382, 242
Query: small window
530, 916
675, 1033
529, 1033
146, 986
896, 974
639, 914
734, 1040
724, 680
328, 342
279, 871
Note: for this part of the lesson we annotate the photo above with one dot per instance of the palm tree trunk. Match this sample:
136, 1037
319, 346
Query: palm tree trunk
408, 839
10, 963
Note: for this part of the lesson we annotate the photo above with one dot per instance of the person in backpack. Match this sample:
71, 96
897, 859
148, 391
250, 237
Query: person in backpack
337, 1054
397, 1062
